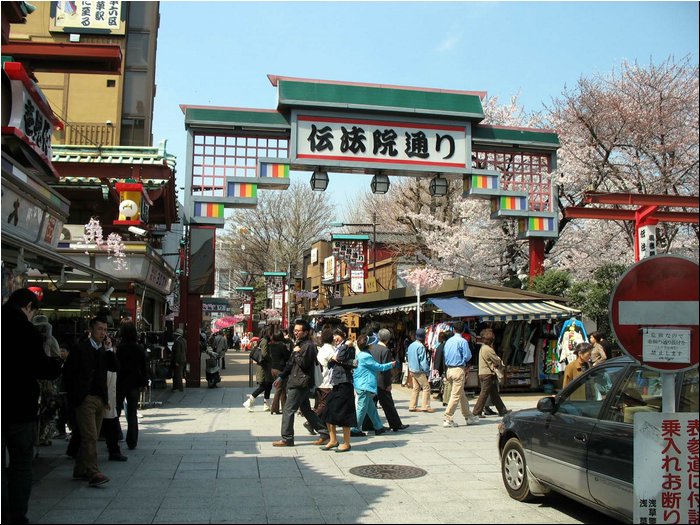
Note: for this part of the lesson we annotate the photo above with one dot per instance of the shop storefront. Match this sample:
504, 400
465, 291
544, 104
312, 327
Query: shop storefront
527, 325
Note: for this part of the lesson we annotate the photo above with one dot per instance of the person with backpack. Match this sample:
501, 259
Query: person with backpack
260, 355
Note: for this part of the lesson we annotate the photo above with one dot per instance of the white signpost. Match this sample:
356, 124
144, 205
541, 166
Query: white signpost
666, 479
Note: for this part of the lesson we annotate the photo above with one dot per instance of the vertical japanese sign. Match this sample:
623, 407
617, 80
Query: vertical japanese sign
647, 241
102, 15
666, 478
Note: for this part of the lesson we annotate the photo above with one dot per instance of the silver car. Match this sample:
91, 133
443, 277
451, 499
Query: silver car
580, 442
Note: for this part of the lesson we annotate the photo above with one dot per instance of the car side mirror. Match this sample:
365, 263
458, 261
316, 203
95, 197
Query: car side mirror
547, 405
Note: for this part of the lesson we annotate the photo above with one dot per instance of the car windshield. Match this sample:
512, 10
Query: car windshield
588, 396
642, 392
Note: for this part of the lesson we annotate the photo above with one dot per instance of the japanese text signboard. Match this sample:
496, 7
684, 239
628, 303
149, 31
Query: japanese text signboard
353, 140
89, 16
666, 475
654, 312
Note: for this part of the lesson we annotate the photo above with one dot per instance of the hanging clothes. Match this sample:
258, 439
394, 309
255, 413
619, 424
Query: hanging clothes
572, 333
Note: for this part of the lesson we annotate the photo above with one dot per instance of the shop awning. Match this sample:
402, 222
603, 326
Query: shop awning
392, 309
525, 310
337, 312
457, 307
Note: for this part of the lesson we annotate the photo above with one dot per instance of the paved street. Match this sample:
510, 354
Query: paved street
202, 458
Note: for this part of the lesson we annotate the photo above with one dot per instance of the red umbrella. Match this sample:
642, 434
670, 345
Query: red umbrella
226, 322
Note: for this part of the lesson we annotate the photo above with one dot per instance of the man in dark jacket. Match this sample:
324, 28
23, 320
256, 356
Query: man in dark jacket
382, 354
85, 374
299, 372
23, 362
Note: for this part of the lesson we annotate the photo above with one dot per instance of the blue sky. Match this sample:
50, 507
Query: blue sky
220, 53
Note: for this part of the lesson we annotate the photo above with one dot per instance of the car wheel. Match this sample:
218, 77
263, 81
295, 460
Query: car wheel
514, 471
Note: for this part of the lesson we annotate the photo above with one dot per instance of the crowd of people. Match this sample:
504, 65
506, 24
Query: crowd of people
348, 379
81, 386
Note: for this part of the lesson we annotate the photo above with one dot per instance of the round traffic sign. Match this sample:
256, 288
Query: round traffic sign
654, 312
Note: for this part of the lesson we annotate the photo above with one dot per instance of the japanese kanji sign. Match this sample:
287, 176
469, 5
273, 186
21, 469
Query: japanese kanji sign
380, 142
74, 17
666, 476
666, 345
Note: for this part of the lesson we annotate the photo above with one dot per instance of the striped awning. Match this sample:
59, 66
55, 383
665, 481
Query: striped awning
392, 309
524, 310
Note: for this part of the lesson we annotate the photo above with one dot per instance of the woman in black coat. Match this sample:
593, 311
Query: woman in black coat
132, 379
279, 355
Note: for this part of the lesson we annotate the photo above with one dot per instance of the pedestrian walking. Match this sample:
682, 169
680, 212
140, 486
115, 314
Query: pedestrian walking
299, 372
382, 354
490, 370
86, 380
457, 357
365, 383
178, 359
340, 403
419, 367
24, 362
263, 376
325, 354
131, 380
279, 355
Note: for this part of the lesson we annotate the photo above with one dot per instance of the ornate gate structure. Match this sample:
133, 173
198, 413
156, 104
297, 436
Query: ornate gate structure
371, 129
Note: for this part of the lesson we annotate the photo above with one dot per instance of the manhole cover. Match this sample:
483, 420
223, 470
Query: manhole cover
388, 471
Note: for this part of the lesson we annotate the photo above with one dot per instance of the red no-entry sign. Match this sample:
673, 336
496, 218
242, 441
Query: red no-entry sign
654, 312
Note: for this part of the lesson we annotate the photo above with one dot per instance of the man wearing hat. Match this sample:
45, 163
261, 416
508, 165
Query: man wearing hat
419, 367
179, 358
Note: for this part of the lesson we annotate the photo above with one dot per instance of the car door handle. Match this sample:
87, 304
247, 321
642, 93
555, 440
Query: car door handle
580, 437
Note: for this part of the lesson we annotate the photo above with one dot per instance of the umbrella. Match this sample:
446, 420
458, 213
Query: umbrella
226, 322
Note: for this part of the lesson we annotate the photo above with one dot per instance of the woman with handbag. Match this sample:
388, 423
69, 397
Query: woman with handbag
263, 375
490, 372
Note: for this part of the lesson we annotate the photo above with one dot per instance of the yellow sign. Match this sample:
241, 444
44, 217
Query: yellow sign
351, 320
370, 284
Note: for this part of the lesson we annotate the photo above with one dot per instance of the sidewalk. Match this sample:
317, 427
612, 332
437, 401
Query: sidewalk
203, 458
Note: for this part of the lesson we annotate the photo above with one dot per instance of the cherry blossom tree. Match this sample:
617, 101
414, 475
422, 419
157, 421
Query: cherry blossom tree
633, 130
114, 244
422, 280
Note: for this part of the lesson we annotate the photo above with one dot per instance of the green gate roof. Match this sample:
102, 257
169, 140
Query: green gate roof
326, 94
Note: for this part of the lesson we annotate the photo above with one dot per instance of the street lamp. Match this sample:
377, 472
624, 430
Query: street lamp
438, 186
373, 224
380, 184
319, 180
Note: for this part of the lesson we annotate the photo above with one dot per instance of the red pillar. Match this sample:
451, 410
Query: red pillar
536, 257
193, 323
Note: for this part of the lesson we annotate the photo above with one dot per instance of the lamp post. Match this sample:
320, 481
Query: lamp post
250, 292
373, 224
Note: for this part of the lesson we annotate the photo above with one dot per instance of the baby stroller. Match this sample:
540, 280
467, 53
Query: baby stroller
436, 383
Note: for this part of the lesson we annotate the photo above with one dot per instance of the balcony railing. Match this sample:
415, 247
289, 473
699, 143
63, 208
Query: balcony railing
90, 133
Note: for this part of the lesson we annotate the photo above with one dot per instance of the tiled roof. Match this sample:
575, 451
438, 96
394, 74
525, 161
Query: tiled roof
134, 155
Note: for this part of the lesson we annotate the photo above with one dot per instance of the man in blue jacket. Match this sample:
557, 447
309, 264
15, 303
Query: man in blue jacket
419, 367
457, 357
